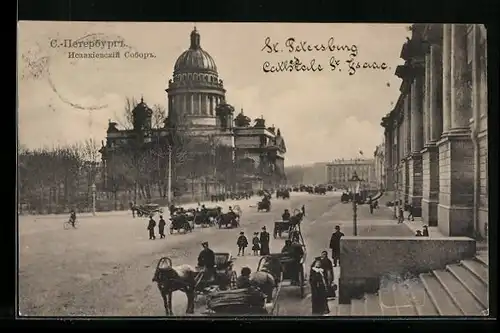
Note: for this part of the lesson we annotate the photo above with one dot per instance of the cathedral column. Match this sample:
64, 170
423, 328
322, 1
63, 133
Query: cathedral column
430, 156
203, 102
417, 136
170, 106
185, 108
191, 103
427, 104
456, 150
200, 104
207, 104
446, 59
407, 111
212, 107
461, 110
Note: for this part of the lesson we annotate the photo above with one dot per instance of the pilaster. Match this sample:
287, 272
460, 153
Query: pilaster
415, 178
456, 183
430, 184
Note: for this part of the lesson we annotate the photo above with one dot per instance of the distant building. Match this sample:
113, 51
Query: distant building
340, 171
379, 156
225, 153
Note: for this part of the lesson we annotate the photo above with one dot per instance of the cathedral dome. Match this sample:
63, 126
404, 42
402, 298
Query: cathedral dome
195, 59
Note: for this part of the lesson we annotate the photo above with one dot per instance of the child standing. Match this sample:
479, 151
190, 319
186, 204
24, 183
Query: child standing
256, 243
242, 243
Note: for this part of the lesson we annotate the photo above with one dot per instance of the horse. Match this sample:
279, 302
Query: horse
175, 278
268, 276
230, 218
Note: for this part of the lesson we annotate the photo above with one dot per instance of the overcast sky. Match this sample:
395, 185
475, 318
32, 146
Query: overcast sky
322, 115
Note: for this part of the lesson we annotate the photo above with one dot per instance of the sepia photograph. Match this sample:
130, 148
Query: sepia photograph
209, 169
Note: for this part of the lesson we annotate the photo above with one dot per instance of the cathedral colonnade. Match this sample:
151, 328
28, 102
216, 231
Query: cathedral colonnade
436, 136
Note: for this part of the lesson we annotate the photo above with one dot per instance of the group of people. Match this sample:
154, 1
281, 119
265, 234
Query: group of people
152, 225
260, 243
321, 276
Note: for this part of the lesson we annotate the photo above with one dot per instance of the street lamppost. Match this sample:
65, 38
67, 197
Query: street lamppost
355, 181
93, 198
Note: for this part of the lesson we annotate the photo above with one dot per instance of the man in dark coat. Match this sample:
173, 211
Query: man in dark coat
335, 245
303, 210
264, 242
151, 227
206, 261
161, 227
327, 266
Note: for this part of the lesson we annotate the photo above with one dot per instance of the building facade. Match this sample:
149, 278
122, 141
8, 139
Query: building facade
218, 145
379, 162
436, 136
340, 171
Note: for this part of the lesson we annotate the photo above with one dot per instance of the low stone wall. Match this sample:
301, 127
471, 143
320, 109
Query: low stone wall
365, 260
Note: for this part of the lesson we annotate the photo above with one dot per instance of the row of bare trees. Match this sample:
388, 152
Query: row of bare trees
50, 179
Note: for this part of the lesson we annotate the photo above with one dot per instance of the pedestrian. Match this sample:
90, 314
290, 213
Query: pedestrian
335, 245
161, 227
327, 266
319, 291
303, 210
264, 242
401, 217
132, 208
242, 243
410, 212
370, 201
425, 232
256, 243
151, 227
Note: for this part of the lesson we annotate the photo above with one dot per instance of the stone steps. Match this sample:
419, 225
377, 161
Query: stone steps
459, 289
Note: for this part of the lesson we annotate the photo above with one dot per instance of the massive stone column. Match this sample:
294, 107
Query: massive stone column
191, 103
200, 104
430, 156
456, 150
388, 159
446, 57
408, 119
415, 165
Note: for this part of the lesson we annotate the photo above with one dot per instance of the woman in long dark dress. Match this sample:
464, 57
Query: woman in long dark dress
319, 293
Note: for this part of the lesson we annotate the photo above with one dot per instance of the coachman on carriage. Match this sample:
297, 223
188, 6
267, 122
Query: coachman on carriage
264, 204
288, 223
193, 280
292, 263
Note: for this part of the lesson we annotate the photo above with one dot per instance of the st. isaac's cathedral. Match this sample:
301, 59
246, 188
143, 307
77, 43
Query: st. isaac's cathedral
218, 152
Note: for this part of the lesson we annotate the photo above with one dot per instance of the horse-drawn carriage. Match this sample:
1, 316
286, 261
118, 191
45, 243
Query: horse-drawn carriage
283, 193
264, 205
288, 226
245, 302
320, 190
147, 209
192, 281
230, 219
292, 269
180, 221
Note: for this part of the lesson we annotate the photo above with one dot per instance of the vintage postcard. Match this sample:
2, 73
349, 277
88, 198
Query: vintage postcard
252, 169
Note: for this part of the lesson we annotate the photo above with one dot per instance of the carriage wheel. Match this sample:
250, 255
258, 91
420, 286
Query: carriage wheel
301, 282
233, 278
